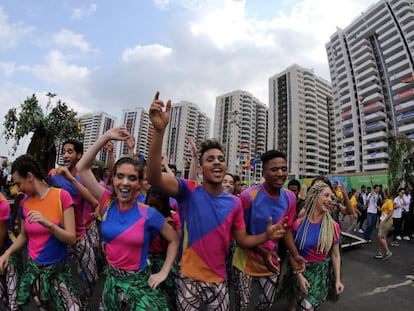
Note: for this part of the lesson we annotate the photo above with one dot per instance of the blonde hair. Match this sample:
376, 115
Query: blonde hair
328, 229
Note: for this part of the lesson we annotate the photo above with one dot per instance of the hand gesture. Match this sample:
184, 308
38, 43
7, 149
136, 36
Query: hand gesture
298, 263
130, 141
64, 171
4, 261
193, 147
303, 283
155, 279
158, 117
339, 287
164, 160
109, 146
117, 133
271, 261
276, 231
35, 216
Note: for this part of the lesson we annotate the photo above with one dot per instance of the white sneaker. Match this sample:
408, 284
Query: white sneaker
398, 237
360, 231
406, 238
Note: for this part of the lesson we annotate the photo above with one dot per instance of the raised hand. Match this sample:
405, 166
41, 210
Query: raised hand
117, 133
64, 171
158, 116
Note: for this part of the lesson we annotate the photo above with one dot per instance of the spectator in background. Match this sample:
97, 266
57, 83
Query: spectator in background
385, 225
372, 212
397, 218
353, 218
406, 214
362, 200
294, 186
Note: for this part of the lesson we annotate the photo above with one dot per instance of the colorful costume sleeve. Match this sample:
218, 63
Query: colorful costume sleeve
4, 208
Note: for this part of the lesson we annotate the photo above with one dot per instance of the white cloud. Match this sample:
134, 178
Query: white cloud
85, 11
11, 34
57, 70
67, 37
139, 52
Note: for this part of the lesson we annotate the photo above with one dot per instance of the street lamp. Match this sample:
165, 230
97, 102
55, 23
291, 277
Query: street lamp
49, 102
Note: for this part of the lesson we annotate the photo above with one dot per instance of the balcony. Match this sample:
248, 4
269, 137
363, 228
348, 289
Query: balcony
374, 145
379, 115
376, 155
408, 128
404, 107
375, 167
375, 126
408, 94
375, 136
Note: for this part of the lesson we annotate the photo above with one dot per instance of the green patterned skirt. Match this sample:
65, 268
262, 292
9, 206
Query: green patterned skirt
134, 287
321, 277
48, 293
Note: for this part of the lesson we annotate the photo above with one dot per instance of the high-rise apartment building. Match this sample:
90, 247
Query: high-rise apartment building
137, 122
95, 124
240, 125
300, 112
372, 69
186, 121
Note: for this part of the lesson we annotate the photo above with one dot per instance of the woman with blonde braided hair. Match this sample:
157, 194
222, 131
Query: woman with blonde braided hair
317, 240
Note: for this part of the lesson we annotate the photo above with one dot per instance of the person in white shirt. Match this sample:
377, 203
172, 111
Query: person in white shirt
406, 215
397, 218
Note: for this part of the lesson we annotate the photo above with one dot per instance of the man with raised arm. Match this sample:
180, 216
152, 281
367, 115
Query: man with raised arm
208, 215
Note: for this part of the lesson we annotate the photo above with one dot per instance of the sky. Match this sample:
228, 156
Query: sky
111, 55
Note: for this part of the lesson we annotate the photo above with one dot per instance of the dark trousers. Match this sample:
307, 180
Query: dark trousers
362, 217
396, 230
406, 219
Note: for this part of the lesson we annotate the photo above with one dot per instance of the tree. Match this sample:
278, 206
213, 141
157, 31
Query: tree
401, 161
48, 128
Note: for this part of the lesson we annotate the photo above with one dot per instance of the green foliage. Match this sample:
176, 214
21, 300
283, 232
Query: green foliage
401, 161
48, 129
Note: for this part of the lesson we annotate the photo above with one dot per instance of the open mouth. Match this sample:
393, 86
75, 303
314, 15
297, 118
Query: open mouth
124, 193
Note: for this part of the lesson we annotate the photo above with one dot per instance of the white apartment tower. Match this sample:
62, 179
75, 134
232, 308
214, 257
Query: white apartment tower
240, 125
300, 112
95, 125
372, 69
186, 121
138, 123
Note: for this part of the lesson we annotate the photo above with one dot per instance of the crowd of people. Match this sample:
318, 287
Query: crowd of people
163, 242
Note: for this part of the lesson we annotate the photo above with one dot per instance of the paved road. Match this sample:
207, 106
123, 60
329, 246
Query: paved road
370, 284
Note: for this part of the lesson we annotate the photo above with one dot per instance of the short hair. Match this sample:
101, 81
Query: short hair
128, 160
271, 154
363, 187
77, 145
294, 182
207, 145
236, 178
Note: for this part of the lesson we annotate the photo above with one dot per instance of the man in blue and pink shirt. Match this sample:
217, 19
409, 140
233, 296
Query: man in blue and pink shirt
208, 216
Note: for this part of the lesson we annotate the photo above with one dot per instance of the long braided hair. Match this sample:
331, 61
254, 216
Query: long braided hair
328, 229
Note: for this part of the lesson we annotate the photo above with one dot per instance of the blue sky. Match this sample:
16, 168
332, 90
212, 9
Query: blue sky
111, 55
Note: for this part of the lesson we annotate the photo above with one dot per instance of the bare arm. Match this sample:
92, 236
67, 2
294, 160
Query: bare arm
159, 118
192, 174
3, 233
171, 236
67, 234
336, 263
85, 193
296, 260
17, 244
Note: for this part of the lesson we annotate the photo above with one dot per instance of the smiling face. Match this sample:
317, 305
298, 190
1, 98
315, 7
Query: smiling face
24, 184
126, 183
213, 166
70, 156
228, 184
275, 172
324, 200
